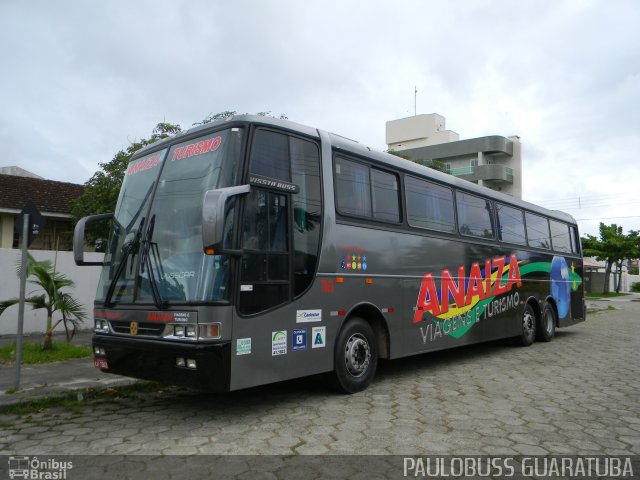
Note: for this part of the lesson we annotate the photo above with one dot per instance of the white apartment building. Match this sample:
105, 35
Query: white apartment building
494, 161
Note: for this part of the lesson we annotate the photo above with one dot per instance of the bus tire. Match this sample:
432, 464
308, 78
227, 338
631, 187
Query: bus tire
528, 334
356, 356
546, 330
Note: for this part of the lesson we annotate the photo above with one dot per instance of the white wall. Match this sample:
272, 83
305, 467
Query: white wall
86, 279
626, 282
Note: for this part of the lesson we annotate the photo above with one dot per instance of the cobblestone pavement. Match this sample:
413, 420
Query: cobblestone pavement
578, 394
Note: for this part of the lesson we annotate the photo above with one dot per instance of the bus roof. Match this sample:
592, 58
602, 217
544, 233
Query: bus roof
347, 145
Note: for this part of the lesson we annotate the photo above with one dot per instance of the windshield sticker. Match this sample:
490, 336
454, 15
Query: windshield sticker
197, 148
143, 165
243, 346
279, 343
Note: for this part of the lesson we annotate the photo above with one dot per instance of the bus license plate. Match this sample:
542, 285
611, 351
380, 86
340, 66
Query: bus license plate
100, 363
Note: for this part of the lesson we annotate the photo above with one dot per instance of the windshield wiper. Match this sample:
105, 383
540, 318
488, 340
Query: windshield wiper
146, 262
129, 247
150, 258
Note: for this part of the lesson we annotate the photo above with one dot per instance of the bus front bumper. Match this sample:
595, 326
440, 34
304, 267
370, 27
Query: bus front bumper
200, 366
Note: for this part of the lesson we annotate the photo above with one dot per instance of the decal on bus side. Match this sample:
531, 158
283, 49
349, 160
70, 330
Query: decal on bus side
459, 304
243, 346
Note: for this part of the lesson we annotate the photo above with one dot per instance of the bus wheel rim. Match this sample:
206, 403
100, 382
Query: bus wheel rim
548, 326
357, 355
527, 323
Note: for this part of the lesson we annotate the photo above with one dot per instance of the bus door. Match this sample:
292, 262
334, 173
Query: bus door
279, 241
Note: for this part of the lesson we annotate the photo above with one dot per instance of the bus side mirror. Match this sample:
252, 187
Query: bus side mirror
78, 238
214, 213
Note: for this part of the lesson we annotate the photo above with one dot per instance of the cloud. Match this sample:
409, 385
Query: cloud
83, 79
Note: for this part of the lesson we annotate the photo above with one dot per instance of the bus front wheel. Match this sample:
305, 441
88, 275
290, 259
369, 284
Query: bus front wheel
528, 334
356, 356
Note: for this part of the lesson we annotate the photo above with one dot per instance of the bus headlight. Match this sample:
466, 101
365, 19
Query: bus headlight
178, 330
101, 326
190, 331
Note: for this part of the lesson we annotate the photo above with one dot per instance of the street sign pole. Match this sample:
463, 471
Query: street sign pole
23, 287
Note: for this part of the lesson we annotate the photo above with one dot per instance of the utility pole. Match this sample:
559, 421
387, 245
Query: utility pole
26, 224
415, 100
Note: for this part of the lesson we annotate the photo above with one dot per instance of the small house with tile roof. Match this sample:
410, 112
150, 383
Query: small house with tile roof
53, 200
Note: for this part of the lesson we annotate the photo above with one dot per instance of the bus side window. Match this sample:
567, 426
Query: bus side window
475, 216
307, 211
538, 231
429, 205
511, 224
560, 238
575, 242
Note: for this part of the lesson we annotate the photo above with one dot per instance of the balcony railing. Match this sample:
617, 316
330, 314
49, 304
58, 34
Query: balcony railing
493, 172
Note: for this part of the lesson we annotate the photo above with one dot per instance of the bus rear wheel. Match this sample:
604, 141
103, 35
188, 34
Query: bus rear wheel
356, 356
547, 328
528, 334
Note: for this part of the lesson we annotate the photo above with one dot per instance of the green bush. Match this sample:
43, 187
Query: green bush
635, 287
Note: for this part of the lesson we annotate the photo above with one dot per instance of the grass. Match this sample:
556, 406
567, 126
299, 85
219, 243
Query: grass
605, 295
73, 399
33, 352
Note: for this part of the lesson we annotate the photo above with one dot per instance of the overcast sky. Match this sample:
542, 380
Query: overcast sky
82, 79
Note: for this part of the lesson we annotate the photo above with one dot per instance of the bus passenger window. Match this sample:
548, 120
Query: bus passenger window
538, 231
386, 205
511, 224
429, 205
560, 239
353, 188
474, 216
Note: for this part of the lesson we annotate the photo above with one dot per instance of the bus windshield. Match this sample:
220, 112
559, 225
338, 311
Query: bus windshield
166, 262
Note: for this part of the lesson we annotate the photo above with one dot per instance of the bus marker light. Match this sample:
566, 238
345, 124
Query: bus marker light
342, 313
210, 331
368, 281
209, 251
340, 280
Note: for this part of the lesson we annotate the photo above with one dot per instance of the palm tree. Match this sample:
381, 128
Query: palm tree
52, 300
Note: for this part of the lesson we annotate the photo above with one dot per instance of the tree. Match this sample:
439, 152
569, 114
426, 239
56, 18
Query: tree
52, 300
101, 191
227, 114
612, 247
435, 164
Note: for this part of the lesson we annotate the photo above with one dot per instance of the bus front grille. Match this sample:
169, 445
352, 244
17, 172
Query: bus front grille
145, 329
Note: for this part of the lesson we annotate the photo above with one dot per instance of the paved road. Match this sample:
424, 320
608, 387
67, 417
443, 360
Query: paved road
576, 395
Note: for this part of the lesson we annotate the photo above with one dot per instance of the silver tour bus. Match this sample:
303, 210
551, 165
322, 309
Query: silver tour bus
255, 250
